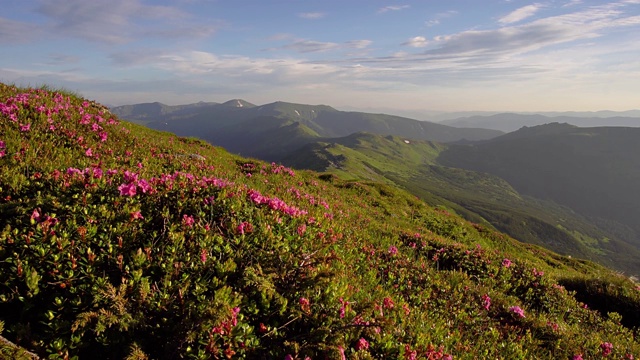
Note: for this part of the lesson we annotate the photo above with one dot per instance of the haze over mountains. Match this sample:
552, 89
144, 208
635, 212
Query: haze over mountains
508, 122
567, 188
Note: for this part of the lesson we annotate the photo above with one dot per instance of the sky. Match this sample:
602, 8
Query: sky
423, 55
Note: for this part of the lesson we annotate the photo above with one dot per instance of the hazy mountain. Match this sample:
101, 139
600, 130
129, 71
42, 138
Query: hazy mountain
595, 171
207, 121
508, 122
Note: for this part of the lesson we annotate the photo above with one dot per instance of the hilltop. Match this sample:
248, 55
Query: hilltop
117, 241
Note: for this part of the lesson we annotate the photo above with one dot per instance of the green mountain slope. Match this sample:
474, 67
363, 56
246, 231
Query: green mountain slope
595, 171
117, 241
478, 196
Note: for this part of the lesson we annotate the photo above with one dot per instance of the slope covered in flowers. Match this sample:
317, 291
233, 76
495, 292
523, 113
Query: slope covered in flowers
121, 242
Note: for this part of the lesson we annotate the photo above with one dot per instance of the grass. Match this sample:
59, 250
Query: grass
118, 242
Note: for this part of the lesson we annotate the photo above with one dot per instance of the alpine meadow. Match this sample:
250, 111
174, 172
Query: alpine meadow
119, 241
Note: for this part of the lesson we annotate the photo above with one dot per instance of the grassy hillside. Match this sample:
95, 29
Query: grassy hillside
117, 241
478, 196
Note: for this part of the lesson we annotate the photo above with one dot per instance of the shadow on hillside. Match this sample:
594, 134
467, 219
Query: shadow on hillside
606, 297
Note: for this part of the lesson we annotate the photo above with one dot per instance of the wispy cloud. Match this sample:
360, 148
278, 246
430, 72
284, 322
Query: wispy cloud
417, 42
313, 46
520, 14
312, 15
392, 8
358, 44
62, 59
437, 19
572, 3
112, 21
14, 32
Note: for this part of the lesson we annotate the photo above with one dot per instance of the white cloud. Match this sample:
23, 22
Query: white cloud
520, 14
417, 42
358, 44
572, 3
312, 15
392, 8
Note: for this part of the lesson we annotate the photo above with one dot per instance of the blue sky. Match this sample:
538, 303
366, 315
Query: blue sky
454, 55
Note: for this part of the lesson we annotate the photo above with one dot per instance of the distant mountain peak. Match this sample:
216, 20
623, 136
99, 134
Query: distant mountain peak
238, 103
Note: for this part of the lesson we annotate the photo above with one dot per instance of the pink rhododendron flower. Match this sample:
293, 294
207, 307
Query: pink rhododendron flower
577, 357
302, 229
506, 263
517, 310
606, 348
387, 303
187, 220
362, 344
305, 305
341, 351
136, 215
486, 301
245, 228
127, 189
89, 152
393, 250
25, 128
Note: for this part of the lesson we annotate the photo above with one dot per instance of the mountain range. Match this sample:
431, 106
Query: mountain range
508, 122
521, 183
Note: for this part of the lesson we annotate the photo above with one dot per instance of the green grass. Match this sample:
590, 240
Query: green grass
141, 249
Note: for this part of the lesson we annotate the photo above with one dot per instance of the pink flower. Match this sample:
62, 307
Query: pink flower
127, 189
187, 220
606, 348
393, 250
486, 301
341, 351
517, 310
305, 305
3, 145
577, 357
89, 152
288, 357
136, 215
302, 229
387, 303
362, 344
203, 256
25, 128
245, 228
537, 273
506, 263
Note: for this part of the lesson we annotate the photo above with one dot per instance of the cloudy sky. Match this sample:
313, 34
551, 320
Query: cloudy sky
448, 55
